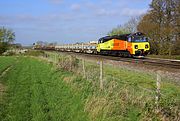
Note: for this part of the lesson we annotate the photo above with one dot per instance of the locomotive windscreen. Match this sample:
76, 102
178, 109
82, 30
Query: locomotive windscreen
139, 39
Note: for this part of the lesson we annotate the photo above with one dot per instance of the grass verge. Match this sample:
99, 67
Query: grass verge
35, 91
128, 94
5, 62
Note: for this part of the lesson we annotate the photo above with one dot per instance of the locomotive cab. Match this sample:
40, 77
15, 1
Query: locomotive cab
139, 43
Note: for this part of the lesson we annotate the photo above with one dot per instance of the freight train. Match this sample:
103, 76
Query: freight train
126, 45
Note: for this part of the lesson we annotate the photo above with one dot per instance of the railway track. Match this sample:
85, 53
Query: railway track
166, 63
163, 62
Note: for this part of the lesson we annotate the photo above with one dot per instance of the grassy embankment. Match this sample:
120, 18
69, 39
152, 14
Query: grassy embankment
35, 91
128, 94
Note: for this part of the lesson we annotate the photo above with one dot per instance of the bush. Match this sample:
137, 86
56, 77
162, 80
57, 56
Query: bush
9, 53
68, 63
3, 47
34, 53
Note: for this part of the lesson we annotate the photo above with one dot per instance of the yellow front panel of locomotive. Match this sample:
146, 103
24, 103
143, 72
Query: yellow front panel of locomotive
140, 46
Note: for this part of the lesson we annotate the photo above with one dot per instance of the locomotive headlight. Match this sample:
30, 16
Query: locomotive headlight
146, 46
136, 46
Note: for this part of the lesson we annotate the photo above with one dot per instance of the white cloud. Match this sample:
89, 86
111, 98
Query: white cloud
104, 12
10, 20
44, 20
133, 12
56, 1
75, 7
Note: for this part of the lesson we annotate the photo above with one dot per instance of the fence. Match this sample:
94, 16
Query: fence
110, 79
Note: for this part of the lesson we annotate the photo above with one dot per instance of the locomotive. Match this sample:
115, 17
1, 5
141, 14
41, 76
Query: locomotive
132, 45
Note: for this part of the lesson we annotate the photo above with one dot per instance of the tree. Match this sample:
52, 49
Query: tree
160, 23
131, 25
151, 30
41, 43
118, 30
7, 37
177, 30
128, 27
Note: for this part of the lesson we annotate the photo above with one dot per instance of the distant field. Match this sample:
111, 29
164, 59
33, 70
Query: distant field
38, 90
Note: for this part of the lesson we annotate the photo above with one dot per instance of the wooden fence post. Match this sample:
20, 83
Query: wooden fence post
158, 94
62, 62
58, 59
101, 74
70, 59
55, 58
84, 71
82, 47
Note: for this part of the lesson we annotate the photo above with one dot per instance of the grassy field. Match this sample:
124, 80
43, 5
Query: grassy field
35, 91
39, 90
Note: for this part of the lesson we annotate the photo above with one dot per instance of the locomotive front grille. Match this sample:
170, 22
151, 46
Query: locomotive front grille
139, 52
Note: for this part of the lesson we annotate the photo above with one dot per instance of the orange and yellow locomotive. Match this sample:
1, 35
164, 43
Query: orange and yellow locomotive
134, 45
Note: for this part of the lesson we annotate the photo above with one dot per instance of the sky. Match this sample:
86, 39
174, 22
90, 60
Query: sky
66, 21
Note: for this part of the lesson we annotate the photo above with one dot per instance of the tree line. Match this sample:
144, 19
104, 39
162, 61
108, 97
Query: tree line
7, 37
44, 43
161, 24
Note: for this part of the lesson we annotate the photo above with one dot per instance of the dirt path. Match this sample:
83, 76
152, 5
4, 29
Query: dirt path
3, 87
5, 71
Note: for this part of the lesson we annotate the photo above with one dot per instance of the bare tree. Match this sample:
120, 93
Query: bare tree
131, 25
128, 27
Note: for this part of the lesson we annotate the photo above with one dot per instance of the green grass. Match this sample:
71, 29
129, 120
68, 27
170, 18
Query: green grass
6, 62
42, 92
36, 91
129, 94
34, 53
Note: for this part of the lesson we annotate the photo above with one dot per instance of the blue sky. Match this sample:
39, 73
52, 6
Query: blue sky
66, 21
